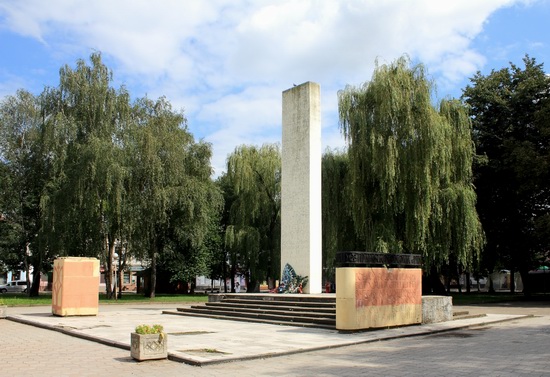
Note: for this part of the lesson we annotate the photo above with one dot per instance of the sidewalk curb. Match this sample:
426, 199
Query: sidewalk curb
75, 334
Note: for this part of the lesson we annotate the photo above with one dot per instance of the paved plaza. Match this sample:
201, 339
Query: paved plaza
512, 340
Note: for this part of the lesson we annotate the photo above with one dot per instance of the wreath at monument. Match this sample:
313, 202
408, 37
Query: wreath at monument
291, 282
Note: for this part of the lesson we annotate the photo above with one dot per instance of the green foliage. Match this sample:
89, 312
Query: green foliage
85, 171
24, 170
149, 329
253, 232
338, 228
85, 202
510, 111
172, 191
410, 167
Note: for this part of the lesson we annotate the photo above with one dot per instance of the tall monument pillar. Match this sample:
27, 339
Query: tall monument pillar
301, 240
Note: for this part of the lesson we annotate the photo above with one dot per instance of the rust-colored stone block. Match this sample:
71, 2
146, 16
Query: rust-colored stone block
75, 289
377, 297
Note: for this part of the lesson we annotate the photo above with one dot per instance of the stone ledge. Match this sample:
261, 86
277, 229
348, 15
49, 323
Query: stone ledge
437, 309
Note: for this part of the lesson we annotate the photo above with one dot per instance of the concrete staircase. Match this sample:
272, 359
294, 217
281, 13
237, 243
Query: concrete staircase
318, 311
303, 310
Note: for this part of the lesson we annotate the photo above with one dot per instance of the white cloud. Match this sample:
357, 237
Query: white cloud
9, 84
227, 62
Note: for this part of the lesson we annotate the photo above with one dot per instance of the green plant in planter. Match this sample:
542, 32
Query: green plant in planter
148, 342
149, 329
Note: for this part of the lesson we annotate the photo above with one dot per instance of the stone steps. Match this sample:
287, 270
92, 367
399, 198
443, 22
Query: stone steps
280, 309
288, 303
255, 320
270, 309
276, 297
317, 311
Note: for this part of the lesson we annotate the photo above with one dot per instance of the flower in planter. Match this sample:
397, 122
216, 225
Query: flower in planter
150, 329
149, 342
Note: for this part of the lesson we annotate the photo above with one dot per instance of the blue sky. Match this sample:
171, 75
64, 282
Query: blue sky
226, 62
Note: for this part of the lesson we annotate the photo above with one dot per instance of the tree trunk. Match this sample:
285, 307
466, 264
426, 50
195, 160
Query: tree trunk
109, 267
35, 286
435, 283
224, 269
252, 286
27, 268
527, 288
153, 283
184, 287
233, 273
491, 285
120, 273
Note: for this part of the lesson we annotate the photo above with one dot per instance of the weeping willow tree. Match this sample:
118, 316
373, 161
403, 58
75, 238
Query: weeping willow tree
338, 228
410, 168
253, 234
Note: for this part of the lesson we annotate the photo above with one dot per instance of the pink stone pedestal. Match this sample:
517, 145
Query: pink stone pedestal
377, 297
75, 289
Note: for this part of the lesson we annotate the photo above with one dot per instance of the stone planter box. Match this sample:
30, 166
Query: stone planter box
149, 346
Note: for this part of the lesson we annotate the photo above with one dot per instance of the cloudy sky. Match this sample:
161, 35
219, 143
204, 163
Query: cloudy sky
226, 62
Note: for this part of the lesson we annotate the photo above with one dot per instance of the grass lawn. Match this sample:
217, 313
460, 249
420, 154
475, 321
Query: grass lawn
45, 298
485, 297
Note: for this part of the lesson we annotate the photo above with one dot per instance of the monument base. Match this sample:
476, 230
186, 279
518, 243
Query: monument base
377, 297
75, 288
437, 309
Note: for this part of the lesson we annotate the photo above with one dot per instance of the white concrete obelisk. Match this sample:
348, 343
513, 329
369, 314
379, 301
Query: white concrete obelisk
301, 184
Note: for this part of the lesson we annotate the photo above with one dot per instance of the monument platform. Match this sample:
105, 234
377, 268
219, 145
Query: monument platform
301, 310
204, 341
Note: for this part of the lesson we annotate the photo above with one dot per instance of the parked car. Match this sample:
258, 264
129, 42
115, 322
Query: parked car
16, 286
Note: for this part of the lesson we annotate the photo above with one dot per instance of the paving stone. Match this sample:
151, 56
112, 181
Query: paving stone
517, 347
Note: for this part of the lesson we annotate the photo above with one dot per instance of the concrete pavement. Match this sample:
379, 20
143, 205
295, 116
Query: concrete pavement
207, 342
